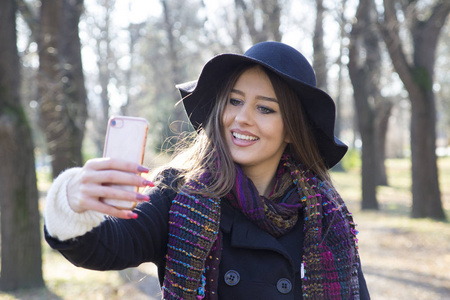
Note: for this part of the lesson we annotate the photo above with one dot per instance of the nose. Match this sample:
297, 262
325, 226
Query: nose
244, 115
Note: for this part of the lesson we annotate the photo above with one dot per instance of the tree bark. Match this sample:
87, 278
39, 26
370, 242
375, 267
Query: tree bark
320, 57
383, 113
343, 34
106, 67
271, 19
271, 13
417, 78
63, 111
21, 262
363, 70
73, 77
175, 68
134, 32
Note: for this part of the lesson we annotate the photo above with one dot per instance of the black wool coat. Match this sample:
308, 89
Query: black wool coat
254, 264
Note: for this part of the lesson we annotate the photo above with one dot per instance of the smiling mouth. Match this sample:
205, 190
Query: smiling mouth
244, 137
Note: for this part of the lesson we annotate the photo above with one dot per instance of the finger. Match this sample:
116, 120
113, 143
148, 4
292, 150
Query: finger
106, 163
112, 192
94, 204
115, 177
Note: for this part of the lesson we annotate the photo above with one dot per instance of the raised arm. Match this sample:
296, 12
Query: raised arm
94, 235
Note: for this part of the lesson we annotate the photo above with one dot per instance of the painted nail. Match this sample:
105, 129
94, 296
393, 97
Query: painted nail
132, 215
148, 183
142, 169
142, 197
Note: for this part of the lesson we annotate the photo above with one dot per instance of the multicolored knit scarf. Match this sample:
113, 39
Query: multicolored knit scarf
330, 257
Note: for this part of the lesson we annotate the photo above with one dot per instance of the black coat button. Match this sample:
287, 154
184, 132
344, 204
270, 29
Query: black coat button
232, 278
284, 286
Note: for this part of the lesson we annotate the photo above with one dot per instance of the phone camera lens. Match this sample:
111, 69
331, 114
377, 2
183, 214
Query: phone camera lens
113, 122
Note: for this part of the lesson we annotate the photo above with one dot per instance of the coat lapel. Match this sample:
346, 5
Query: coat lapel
245, 234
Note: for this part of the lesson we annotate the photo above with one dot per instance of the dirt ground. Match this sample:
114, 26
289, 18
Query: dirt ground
405, 261
402, 258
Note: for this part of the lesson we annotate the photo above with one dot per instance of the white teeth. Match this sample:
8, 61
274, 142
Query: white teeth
244, 137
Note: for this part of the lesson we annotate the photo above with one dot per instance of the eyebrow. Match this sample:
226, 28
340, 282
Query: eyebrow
259, 97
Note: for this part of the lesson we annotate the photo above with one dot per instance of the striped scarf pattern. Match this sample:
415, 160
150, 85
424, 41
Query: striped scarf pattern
193, 234
330, 257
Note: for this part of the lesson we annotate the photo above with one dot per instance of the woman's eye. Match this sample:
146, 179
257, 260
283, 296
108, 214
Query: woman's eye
235, 102
265, 110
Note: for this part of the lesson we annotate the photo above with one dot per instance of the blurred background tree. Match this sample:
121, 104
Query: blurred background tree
364, 70
414, 61
61, 91
61, 94
20, 221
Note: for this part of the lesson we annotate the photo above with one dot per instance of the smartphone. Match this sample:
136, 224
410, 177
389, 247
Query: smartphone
125, 139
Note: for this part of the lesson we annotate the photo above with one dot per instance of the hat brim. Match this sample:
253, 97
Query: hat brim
199, 97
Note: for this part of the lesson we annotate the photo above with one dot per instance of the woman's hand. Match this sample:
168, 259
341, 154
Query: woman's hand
88, 187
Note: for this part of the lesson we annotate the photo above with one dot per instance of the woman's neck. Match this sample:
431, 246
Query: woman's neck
262, 179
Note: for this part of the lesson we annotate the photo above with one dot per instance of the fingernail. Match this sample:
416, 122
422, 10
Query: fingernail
148, 183
142, 197
142, 169
132, 215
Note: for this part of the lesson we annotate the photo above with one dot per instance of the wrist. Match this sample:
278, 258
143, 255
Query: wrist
62, 222
70, 201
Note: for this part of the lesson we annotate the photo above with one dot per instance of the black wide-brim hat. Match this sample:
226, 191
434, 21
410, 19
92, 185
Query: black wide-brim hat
199, 96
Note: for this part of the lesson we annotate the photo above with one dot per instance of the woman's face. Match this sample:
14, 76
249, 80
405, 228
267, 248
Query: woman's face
252, 122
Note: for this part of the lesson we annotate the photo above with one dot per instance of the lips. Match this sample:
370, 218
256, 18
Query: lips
243, 139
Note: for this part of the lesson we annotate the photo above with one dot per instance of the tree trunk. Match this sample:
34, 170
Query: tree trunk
320, 57
21, 262
73, 77
175, 69
383, 113
418, 80
363, 70
105, 61
61, 83
271, 19
425, 183
343, 35
134, 32
270, 29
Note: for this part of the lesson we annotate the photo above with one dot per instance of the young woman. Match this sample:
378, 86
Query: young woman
247, 211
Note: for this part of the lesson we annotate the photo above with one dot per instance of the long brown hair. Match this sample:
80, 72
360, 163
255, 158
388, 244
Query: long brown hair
206, 152
303, 146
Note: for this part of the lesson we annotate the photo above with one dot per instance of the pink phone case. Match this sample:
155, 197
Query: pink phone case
125, 139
